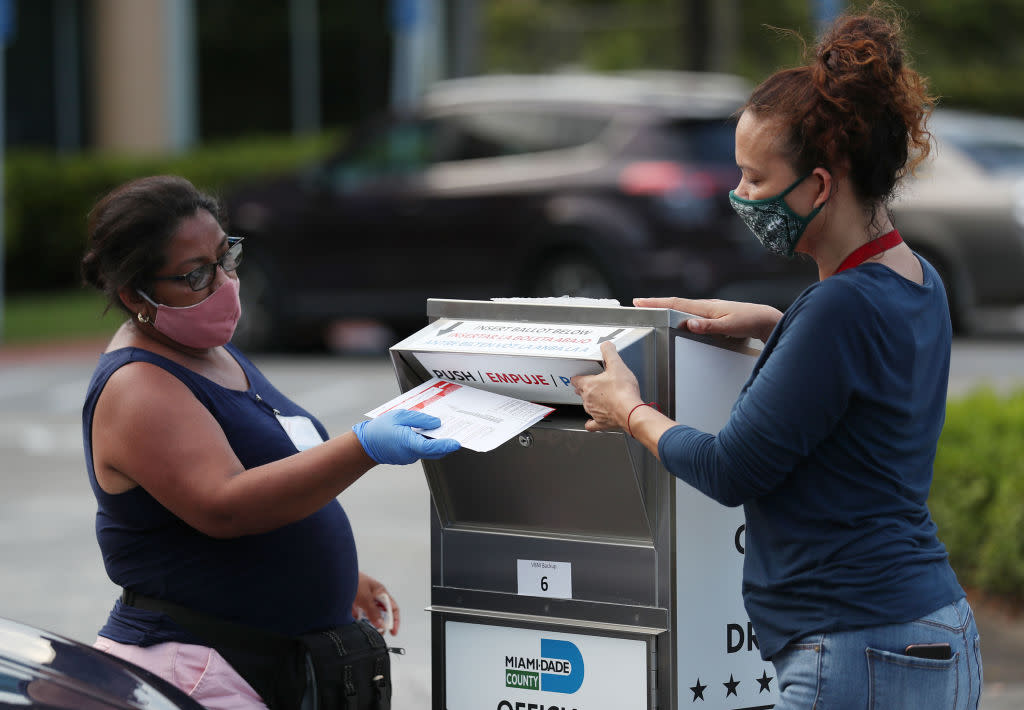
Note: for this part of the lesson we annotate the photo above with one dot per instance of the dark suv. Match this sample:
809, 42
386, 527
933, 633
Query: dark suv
589, 185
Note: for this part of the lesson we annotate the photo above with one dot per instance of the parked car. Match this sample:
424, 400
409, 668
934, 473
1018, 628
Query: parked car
965, 211
589, 185
40, 670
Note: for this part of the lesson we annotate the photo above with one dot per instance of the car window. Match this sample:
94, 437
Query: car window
493, 134
397, 149
407, 147
998, 157
700, 141
994, 143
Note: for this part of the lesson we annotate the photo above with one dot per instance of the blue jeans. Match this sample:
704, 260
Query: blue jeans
867, 669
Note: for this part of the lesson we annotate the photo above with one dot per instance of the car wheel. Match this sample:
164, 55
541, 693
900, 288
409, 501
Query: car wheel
571, 274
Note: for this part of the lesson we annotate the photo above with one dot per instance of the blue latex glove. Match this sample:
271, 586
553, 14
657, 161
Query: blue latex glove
390, 439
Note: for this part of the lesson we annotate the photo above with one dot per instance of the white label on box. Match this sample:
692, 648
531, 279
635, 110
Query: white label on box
719, 662
505, 668
539, 578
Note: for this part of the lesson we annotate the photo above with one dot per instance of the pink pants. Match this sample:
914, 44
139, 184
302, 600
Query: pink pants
199, 671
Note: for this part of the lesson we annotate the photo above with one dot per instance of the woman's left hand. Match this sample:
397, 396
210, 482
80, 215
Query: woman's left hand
372, 601
610, 395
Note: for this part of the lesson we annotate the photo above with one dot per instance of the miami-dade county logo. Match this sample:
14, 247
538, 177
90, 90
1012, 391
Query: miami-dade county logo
558, 670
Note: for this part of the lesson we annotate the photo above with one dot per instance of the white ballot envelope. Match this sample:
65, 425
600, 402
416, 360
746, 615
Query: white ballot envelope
477, 419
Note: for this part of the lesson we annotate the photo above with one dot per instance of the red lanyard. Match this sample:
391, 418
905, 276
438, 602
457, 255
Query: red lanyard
866, 251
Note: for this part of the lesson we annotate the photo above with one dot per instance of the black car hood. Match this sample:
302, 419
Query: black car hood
42, 670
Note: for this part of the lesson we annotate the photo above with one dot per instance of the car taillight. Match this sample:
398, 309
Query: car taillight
662, 177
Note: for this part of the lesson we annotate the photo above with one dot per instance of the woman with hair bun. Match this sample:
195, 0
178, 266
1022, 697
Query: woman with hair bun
831, 443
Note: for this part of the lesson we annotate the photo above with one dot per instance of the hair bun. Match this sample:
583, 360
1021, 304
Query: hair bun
857, 102
863, 42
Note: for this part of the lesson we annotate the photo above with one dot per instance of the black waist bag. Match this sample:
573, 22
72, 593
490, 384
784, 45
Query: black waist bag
347, 668
351, 667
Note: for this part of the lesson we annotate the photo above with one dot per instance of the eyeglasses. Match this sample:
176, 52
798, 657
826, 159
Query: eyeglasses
202, 276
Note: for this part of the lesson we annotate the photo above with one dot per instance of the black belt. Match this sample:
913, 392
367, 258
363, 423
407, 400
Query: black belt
273, 664
203, 625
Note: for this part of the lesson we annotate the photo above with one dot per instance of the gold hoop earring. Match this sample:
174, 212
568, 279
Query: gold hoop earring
142, 318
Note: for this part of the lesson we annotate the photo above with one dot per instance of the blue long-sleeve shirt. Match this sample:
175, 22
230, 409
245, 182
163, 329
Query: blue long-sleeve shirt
829, 448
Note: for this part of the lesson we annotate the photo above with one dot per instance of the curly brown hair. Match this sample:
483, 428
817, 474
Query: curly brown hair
856, 104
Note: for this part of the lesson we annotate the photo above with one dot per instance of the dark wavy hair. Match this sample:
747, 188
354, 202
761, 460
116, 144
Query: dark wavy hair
856, 104
129, 229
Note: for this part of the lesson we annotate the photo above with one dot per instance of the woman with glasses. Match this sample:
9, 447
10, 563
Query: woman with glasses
829, 447
216, 494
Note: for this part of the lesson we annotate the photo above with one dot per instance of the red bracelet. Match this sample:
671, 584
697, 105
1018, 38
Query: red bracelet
642, 404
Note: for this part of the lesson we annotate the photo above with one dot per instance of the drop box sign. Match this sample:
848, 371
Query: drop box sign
502, 668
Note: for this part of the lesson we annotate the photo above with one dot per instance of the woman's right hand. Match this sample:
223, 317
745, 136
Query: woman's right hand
733, 318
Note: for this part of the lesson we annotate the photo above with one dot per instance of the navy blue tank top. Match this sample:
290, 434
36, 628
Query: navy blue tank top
301, 577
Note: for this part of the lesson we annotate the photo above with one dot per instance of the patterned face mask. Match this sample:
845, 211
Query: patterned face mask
772, 221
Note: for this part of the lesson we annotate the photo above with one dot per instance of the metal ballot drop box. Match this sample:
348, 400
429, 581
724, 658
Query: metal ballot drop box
569, 569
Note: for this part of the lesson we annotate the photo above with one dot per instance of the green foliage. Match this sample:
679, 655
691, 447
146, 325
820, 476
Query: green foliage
59, 315
49, 196
971, 51
977, 497
771, 36
542, 35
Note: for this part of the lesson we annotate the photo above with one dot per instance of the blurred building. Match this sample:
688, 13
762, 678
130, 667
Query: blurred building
159, 75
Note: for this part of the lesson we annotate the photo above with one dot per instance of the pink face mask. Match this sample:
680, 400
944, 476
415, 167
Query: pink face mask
207, 324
